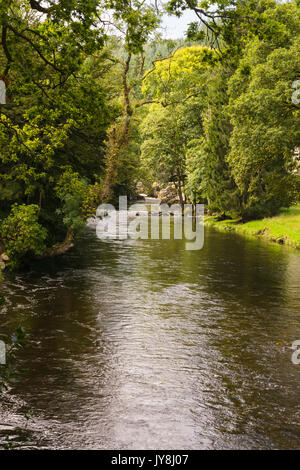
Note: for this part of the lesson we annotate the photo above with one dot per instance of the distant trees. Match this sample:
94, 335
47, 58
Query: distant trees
164, 146
95, 99
177, 85
208, 175
134, 22
266, 124
241, 159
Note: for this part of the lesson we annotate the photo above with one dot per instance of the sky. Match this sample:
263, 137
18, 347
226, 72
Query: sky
174, 28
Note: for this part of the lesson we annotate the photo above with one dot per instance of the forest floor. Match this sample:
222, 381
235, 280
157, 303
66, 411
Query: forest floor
283, 228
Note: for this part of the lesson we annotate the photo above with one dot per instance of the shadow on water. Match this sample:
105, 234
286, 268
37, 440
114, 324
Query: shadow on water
142, 344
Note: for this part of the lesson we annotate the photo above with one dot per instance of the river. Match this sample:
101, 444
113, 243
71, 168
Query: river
140, 344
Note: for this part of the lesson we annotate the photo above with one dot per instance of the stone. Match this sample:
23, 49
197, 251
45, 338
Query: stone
168, 195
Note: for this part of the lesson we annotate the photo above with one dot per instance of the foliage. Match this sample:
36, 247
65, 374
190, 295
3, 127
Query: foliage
14, 343
181, 75
208, 177
97, 100
56, 114
22, 234
266, 125
241, 160
163, 147
72, 190
166, 133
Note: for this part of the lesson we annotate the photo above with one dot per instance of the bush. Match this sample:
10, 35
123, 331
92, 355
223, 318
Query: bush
21, 234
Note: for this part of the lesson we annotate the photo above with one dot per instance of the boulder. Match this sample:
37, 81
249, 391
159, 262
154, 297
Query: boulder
140, 187
168, 195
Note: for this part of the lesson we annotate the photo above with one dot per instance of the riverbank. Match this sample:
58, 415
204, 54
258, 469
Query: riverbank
283, 228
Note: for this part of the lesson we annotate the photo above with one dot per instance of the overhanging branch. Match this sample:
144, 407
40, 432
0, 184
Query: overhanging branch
5, 49
33, 45
35, 5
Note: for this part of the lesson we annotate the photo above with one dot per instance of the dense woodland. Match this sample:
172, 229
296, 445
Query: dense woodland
97, 101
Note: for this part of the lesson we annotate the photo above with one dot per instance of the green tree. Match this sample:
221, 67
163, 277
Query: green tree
266, 124
134, 22
208, 175
164, 145
49, 123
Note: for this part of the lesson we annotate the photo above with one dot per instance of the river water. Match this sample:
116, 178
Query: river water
144, 345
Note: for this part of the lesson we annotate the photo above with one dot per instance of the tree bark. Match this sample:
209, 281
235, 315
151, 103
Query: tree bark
61, 248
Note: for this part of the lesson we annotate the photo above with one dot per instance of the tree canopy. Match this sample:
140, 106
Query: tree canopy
96, 100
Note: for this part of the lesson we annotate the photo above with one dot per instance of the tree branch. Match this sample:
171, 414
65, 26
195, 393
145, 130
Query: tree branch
35, 5
27, 39
5, 49
159, 60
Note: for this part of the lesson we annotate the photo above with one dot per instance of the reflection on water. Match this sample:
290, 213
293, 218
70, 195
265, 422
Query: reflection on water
142, 344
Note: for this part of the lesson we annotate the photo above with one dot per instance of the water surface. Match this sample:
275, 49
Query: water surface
144, 345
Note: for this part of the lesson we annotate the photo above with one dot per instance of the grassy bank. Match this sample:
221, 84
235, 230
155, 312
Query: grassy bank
283, 228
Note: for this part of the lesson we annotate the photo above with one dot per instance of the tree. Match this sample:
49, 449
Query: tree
48, 126
192, 86
266, 124
180, 76
178, 85
208, 174
164, 145
134, 22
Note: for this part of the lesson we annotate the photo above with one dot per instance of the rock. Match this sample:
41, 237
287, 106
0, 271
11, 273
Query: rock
154, 190
168, 195
139, 187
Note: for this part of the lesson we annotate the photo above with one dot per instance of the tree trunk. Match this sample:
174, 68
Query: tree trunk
61, 248
118, 134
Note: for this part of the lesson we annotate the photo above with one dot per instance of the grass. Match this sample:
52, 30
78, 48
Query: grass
283, 228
